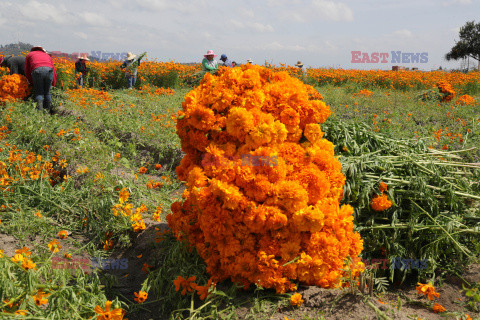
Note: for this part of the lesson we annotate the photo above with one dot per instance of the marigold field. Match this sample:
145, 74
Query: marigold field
260, 192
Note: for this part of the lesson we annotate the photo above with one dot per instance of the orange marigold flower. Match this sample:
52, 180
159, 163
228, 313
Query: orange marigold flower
38, 214
141, 296
21, 312
28, 264
380, 202
40, 298
382, 187
296, 299
123, 195
158, 166
427, 290
108, 314
54, 246
146, 267
25, 251
108, 245
63, 234
204, 291
142, 170
187, 284
438, 308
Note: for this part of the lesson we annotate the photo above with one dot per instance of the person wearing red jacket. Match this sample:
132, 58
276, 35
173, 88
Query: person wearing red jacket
40, 72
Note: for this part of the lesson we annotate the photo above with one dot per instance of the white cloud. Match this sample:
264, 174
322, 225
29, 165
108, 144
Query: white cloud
455, 2
404, 33
256, 26
261, 27
335, 11
94, 19
81, 35
36, 10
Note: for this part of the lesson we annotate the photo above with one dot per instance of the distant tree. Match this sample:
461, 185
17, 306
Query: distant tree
469, 43
15, 48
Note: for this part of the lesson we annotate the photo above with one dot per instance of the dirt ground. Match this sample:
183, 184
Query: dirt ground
401, 303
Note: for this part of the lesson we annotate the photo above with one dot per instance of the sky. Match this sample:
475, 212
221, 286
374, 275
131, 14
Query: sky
319, 33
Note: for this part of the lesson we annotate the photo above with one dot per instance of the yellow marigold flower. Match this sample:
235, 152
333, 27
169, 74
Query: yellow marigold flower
296, 299
54, 246
21, 312
18, 258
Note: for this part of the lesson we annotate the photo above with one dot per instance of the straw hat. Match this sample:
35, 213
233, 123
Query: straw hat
38, 48
131, 56
210, 53
299, 64
83, 58
249, 61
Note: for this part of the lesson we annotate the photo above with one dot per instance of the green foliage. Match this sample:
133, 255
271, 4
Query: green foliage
430, 95
431, 191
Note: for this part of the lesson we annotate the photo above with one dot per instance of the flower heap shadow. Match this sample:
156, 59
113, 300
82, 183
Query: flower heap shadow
271, 225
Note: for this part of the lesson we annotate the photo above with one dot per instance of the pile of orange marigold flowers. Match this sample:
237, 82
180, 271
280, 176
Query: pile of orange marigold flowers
263, 186
13, 87
363, 92
465, 100
446, 89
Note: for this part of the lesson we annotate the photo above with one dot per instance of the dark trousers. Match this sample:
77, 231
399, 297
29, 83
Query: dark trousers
42, 81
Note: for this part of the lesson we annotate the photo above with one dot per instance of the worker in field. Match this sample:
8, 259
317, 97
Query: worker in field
226, 61
41, 73
209, 64
81, 70
130, 65
299, 65
15, 64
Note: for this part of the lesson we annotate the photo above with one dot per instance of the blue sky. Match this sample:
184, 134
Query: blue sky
320, 33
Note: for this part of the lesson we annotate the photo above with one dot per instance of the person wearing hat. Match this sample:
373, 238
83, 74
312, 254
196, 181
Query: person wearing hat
40, 72
226, 62
249, 61
81, 69
208, 63
131, 64
15, 64
300, 66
